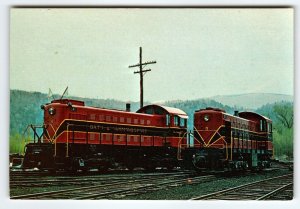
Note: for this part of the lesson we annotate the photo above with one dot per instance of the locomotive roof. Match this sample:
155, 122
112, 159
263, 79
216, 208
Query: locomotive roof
159, 108
66, 101
212, 109
168, 110
245, 114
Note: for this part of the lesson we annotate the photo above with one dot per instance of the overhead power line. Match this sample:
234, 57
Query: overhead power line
142, 72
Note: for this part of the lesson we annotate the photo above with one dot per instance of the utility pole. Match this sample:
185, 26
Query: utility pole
142, 72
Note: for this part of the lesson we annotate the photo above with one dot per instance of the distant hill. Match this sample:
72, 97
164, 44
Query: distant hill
252, 100
25, 109
25, 106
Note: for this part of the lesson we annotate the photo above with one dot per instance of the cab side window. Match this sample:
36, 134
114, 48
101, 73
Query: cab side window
182, 122
176, 120
167, 119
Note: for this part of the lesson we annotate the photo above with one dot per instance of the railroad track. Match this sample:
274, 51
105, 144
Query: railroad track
37, 181
18, 173
276, 188
284, 193
119, 189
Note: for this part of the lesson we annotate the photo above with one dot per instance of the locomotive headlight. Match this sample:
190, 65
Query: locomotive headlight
51, 111
206, 118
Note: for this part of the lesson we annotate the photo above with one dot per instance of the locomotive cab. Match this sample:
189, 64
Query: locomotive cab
173, 117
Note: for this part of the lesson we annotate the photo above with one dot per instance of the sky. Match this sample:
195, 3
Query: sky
199, 52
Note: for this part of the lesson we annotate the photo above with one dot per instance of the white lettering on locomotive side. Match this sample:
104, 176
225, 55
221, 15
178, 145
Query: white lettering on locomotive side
94, 127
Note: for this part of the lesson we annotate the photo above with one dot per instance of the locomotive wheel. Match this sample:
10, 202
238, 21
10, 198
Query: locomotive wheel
199, 162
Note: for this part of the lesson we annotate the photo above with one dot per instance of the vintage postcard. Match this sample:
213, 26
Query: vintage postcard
151, 103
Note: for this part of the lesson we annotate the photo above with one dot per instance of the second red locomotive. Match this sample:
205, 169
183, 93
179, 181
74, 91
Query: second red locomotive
230, 142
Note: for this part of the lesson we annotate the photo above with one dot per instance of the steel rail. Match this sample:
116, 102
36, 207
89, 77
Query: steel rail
270, 194
57, 179
144, 187
43, 194
202, 197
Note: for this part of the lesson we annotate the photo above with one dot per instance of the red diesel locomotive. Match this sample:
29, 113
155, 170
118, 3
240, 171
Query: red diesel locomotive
76, 136
231, 142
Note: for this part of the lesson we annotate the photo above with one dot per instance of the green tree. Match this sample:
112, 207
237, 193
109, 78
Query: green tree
283, 143
284, 113
283, 130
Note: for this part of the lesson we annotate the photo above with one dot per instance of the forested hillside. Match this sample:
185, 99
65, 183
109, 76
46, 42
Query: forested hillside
25, 107
282, 115
253, 100
25, 110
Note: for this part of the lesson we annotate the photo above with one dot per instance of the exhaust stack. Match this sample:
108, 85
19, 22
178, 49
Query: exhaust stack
128, 107
236, 113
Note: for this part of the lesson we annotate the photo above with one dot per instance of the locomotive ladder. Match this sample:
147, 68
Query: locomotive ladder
36, 135
40, 132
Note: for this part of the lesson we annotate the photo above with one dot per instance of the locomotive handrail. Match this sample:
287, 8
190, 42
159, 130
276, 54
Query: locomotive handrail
31, 126
45, 130
221, 137
67, 149
179, 146
195, 138
50, 138
23, 136
226, 144
216, 132
231, 144
26, 131
200, 137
